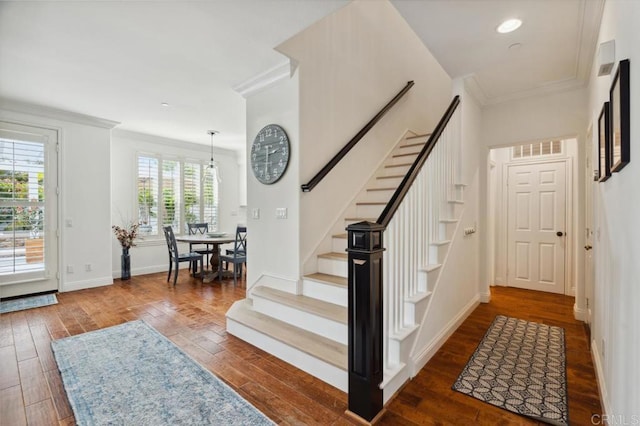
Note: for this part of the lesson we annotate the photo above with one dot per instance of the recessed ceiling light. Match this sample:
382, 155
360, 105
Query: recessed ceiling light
164, 104
509, 25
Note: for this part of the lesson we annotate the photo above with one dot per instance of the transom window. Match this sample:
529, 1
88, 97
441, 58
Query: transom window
175, 192
537, 149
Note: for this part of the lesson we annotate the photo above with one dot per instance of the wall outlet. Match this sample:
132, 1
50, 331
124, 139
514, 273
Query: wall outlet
281, 213
470, 230
87, 267
69, 269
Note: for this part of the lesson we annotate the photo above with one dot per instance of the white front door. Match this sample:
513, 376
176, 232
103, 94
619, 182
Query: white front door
536, 227
28, 210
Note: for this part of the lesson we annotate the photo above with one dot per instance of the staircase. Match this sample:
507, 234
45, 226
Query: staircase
309, 329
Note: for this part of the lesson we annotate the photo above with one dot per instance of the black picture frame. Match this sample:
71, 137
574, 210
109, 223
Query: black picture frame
619, 136
604, 132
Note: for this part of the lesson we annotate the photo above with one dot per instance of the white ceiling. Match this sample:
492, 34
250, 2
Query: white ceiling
119, 60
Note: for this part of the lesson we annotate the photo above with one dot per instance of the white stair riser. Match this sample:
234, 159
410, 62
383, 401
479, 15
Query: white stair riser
427, 279
367, 210
326, 372
415, 149
332, 267
399, 350
301, 319
386, 183
459, 192
446, 230
392, 171
403, 158
437, 252
325, 292
338, 245
379, 196
414, 311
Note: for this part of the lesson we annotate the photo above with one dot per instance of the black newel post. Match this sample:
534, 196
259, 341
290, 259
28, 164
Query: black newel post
365, 319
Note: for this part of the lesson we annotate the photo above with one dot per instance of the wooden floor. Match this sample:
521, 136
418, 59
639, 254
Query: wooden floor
192, 316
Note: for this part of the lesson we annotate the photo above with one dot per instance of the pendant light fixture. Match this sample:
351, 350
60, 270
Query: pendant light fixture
212, 132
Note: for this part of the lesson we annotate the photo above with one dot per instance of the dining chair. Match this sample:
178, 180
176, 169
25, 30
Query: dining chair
237, 256
195, 229
175, 257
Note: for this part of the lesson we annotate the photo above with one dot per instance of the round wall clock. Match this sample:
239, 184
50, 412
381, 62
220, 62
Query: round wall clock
270, 154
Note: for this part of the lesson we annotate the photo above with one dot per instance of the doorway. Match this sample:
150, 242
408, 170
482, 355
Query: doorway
28, 210
531, 187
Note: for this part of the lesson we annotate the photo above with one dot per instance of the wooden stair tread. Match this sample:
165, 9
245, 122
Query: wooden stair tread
328, 279
381, 189
315, 345
390, 177
389, 166
371, 203
361, 219
343, 235
334, 255
418, 136
408, 154
317, 307
412, 145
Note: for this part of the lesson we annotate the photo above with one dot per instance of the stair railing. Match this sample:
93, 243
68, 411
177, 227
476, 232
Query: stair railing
380, 275
307, 187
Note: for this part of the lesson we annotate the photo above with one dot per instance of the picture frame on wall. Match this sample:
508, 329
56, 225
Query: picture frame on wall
619, 104
604, 171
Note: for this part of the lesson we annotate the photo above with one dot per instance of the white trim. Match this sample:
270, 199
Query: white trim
174, 143
602, 388
58, 114
143, 271
81, 285
277, 282
485, 297
579, 313
264, 80
419, 361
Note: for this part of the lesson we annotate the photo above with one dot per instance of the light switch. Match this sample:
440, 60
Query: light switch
255, 213
281, 213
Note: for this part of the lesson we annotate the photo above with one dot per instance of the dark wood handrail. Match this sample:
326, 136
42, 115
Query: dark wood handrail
340, 155
410, 177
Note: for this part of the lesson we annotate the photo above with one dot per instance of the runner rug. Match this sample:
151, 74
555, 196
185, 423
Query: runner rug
23, 303
131, 374
520, 366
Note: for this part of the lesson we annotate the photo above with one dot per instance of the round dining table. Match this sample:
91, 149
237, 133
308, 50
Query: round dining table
215, 256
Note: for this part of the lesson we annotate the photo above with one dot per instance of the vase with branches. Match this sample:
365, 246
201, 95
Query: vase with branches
126, 236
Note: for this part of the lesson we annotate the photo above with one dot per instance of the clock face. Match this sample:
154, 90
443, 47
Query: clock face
270, 154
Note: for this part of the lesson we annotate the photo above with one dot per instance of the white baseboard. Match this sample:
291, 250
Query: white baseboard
602, 388
579, 314
485, 297
81, 285
436, 343
146, 270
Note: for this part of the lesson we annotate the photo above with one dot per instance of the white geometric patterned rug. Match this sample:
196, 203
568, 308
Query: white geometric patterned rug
520, 366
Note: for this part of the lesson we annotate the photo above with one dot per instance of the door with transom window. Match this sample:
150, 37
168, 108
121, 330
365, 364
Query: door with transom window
28, 210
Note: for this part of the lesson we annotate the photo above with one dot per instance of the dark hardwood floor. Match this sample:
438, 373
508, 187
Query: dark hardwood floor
192, 315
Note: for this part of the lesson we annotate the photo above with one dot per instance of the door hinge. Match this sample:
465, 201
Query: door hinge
587, 303
57, 190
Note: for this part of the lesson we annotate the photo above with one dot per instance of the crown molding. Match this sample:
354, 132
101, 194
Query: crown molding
266, 79
176, 143
54, 113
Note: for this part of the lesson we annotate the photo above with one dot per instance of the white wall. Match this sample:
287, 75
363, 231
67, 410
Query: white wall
351, 63
85, 189
150, 254
616, 323
274, 244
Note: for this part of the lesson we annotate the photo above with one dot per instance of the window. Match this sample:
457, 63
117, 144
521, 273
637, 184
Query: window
174, 192
22, 175
537, 149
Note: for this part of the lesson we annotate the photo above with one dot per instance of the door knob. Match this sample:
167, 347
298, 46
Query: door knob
588, 247
559, 233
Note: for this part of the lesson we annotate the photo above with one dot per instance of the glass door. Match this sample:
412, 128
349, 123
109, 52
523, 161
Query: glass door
28, 210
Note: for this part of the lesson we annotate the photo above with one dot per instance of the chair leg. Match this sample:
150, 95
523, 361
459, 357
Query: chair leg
219, 269
235, 274
170, 266
175, 275
201, 270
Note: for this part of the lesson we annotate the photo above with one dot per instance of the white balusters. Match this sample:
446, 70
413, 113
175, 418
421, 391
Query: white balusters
415, 226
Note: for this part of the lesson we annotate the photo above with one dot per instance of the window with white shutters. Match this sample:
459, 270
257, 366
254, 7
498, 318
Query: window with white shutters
174, 192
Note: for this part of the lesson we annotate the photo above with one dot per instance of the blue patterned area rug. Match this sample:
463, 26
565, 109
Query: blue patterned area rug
520, 366
130, 374
21, 304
